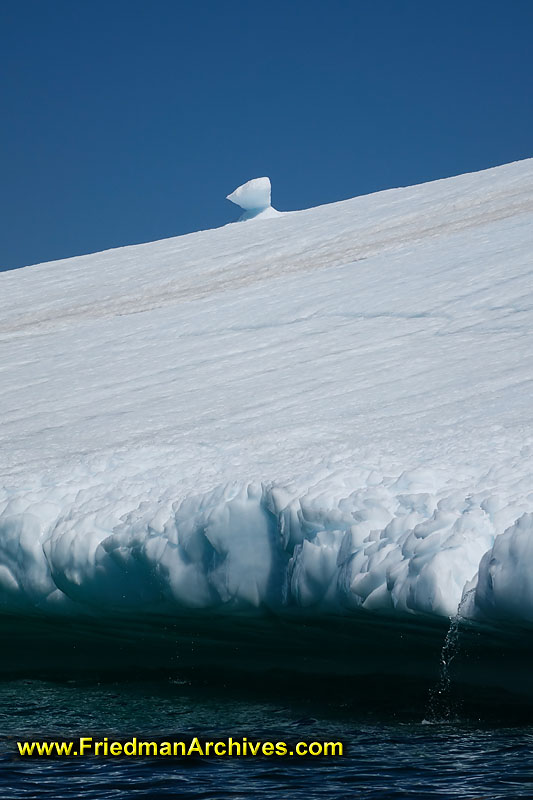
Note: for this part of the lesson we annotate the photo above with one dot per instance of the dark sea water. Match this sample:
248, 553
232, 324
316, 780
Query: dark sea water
387, 755
421, 713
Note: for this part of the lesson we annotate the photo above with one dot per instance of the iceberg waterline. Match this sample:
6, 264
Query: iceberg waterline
410, 544
324, 412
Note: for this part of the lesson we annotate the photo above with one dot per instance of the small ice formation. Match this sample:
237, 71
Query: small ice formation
254, 198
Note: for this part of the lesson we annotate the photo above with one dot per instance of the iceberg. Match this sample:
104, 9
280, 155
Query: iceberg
326, 417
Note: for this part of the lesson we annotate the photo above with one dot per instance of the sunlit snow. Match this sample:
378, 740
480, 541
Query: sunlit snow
322, 411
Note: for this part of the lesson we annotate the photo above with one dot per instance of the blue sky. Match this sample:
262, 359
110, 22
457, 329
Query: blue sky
127, 120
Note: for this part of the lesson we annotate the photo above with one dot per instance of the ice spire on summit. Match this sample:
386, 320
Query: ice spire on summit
254, 198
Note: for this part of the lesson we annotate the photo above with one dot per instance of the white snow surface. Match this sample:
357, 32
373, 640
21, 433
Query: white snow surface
315, 413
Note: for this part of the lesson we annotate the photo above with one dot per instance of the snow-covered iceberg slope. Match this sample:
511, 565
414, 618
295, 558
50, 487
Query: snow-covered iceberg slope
315, 413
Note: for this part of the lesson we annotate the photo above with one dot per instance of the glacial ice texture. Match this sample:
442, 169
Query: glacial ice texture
326, 413
254, 198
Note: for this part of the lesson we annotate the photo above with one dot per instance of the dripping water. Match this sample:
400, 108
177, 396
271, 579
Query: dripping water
441, 705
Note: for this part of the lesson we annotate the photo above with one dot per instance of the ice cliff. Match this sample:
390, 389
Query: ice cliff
326, 413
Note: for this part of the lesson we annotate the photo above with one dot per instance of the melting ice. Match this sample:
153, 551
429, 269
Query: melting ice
320, 411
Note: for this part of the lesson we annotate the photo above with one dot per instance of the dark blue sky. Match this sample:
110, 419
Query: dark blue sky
130, 120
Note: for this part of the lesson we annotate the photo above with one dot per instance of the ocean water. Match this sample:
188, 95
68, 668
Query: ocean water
437, 710
391, 751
